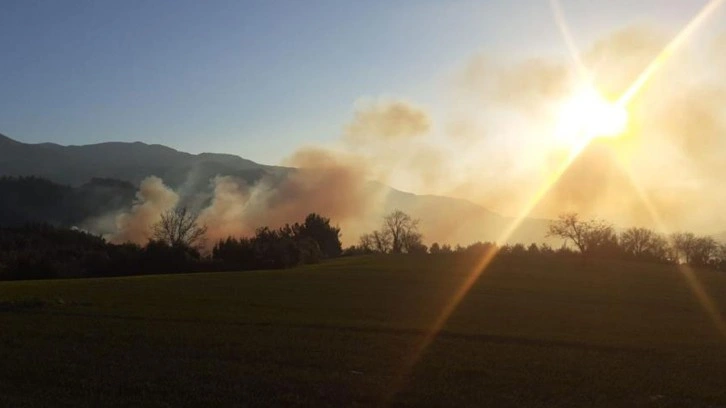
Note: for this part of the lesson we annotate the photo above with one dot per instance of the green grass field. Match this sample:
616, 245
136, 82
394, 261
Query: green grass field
529, 333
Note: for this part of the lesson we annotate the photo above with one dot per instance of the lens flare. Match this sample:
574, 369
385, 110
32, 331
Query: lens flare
606, 119
669, 50
588, 115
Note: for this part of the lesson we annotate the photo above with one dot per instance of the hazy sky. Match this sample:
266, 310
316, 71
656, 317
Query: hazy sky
259, 78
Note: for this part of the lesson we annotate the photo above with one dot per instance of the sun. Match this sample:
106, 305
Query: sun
588, 115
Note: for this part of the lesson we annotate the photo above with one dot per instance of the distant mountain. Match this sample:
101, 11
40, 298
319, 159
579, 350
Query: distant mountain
102, 178
132, 162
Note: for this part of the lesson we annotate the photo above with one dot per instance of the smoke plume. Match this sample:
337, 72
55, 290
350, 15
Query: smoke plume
381, 121
152, 200
322, 182
498, 148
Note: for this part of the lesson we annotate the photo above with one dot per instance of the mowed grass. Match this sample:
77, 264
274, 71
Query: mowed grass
344, 333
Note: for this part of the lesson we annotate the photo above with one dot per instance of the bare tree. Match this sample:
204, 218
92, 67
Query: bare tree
720, 257
381, 241
683, 244
569, 227
179, 227
637, 241
694, 250
376, 241
366, 243
588, 236
642, 243
398, 234
403, 231
705, 250
662, 250
412, 242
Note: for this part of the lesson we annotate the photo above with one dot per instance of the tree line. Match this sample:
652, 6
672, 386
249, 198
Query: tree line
597, 238
590, 238
41, 251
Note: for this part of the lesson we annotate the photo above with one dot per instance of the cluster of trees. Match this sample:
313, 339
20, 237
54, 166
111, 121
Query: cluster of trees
479, 249
596, 238
590, 238
398, 235
42, 251
291, 245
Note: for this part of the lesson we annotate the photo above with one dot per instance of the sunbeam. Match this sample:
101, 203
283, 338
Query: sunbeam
481, 266
561, 21
669, 50
686, 271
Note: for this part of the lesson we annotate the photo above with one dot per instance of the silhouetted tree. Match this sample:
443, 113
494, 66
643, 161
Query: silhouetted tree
179, 228
694, 250
382, 241
161, 257
272, 249
402, 229
704, 251
533, 249
399, 234
719, 261
43, 251
590, 236
366, 243
318, 229
411, 242
564, 251
235, 253
417, 248
376, 242
546, 249
645, 244
356, 250
637, 241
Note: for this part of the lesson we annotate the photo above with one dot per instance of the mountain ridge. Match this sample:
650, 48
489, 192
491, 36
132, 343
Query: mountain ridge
451, 219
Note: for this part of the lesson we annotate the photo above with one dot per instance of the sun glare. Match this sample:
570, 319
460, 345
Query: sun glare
588, 115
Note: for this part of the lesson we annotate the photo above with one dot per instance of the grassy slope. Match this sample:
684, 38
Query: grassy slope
560, 333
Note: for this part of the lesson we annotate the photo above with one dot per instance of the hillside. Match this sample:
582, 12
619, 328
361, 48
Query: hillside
556, 333
37, 200
132, 162
442, 218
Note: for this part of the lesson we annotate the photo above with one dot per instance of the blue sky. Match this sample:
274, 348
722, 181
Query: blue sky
258, 78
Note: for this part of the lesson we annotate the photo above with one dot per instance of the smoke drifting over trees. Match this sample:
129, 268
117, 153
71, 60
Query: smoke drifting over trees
322, 182
494, 144
398, 234
43, 251
153, 199
179, 228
